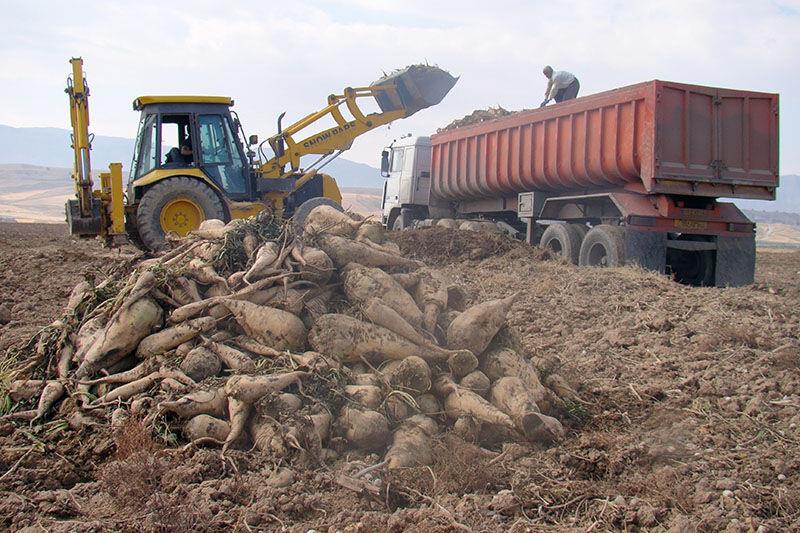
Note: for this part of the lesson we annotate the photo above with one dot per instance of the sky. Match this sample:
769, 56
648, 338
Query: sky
288, 56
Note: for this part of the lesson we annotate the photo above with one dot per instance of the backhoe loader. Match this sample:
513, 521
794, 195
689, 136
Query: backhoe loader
191, 162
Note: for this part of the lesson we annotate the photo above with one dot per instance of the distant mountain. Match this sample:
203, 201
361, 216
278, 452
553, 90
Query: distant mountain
352, 174
50, 147
30, 193
773, 217
787, 201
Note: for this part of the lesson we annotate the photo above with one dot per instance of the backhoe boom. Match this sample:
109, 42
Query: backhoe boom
92, 212
78, 93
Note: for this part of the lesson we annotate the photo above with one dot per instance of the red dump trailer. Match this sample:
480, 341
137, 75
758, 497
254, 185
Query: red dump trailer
630, 175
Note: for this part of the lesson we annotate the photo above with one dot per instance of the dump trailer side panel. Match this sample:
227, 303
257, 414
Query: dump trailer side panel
653, 137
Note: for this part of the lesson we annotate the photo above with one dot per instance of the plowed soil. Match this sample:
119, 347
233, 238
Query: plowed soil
686, 418
39, 266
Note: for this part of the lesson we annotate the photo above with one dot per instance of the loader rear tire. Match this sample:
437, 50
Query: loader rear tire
302, 211
176, 204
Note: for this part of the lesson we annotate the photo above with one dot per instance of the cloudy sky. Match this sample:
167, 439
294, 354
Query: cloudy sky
288, 56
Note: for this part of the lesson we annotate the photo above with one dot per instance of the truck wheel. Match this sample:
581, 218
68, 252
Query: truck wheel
603, 246
175, 204
448, 223
405, 219
300, 214
564, 240
582, 229
692, 267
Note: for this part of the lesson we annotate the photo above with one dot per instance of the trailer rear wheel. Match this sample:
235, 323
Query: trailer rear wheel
692, 267
405, 218
564, 240
603, 246
582, 229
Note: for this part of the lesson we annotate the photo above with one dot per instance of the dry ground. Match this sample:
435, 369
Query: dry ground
39, 265
688, 419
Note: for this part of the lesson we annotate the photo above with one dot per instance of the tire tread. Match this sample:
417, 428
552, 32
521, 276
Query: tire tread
148, 212
611, 237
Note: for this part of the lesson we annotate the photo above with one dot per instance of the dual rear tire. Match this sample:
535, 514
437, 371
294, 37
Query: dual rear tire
692, 267
604, 246
564, 240
601, 245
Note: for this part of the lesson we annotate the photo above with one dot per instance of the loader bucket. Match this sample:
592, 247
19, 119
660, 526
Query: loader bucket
419, 86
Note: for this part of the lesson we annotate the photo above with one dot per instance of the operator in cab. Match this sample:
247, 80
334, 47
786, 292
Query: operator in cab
182, 156
561, 85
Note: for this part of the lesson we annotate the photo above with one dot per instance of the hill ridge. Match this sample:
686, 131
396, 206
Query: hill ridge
50, 147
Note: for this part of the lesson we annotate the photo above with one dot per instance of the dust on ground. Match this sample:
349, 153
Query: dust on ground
688, 420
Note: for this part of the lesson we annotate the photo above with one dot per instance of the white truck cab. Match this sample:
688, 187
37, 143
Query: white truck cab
406, 165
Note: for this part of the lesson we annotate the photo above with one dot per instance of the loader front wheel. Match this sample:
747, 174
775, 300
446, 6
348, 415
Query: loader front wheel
178, 205
300, 214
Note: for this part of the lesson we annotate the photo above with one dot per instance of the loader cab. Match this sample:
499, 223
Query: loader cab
194, 136
406, 165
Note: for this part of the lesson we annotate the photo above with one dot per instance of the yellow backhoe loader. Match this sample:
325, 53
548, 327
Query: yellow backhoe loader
190, 161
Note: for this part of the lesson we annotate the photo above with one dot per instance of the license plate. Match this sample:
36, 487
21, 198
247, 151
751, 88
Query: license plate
690, 224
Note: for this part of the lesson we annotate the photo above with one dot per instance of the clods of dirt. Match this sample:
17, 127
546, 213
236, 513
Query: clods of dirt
687, 416
438, 245
476, 117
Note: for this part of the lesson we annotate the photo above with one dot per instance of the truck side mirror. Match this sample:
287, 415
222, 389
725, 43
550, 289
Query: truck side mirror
253, 140
385, 163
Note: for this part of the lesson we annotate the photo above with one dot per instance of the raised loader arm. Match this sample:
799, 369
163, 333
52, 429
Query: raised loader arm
399, 95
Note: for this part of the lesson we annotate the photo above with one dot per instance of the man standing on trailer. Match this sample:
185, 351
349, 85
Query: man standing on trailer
561, 85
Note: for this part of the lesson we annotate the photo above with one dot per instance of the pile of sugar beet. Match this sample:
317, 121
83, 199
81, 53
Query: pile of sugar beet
269, 338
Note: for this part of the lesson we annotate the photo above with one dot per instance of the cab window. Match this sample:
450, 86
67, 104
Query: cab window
234, 179
146, 153
409, 160
176, 143
212, 140
398, 156
219, 154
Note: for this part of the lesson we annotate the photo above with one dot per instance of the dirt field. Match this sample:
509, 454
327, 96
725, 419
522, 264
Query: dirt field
39, 265
687, 418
